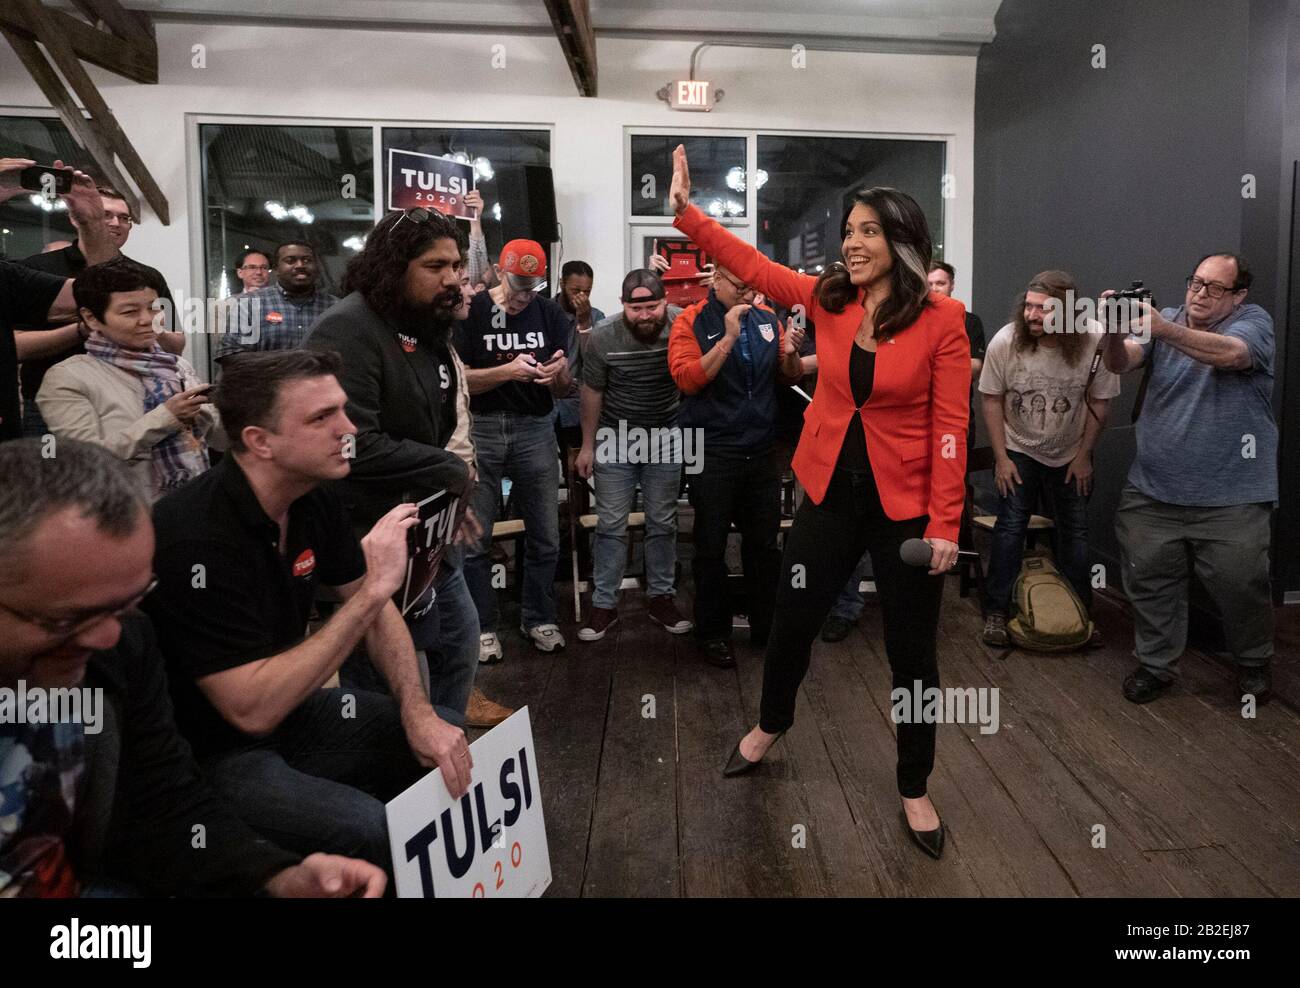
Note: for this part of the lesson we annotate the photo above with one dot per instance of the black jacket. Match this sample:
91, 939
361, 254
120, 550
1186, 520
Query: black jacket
402, 402
141, 796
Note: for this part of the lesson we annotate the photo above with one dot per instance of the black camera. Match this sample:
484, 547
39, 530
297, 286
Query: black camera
1118, 307
1138, 291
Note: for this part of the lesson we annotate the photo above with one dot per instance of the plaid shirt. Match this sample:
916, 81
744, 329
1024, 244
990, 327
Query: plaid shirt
278, 321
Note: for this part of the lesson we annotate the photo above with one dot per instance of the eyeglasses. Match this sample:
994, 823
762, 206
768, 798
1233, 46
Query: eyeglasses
69, 626
740, 287
255, 267
125, 220
1195, 284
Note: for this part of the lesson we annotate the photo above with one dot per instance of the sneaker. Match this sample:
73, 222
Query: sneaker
545, 637
663, 611
995, 630
482, 712
836, 629
489, 648
598, 622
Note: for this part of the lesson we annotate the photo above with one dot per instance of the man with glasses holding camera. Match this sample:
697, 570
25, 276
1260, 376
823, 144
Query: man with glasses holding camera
1204, 482
728, 357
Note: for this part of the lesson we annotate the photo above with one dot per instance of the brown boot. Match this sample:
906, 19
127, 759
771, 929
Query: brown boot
482, 712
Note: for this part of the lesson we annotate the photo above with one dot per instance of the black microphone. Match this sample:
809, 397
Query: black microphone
916, 552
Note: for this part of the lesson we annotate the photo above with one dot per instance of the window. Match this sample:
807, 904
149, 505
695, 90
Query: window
717, 173
27, 225
810, 181
264, 185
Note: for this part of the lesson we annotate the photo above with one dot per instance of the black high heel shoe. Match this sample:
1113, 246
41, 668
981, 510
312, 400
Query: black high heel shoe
929, 841
738, 764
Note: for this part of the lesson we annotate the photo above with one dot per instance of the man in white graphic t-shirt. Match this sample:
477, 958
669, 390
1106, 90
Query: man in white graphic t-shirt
1045, 397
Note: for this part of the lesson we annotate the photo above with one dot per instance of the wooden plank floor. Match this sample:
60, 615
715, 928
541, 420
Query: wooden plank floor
632, 732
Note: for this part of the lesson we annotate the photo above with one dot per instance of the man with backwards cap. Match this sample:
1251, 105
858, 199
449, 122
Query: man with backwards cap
630, 437
515, 344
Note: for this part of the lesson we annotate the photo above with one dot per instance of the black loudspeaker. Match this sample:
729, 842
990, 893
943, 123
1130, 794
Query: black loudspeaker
527, 197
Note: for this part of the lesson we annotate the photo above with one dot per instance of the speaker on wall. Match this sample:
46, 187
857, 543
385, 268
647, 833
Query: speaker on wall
527, 197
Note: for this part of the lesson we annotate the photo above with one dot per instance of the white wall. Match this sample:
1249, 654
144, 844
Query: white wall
392, 75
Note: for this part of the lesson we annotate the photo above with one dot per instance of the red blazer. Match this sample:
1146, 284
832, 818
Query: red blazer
916, 417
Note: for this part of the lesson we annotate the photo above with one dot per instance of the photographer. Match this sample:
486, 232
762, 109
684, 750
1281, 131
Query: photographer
30, 297
1204, 481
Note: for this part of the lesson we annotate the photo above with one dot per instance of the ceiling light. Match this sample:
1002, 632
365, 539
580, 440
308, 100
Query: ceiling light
277, 210
302, 214
736, 179
496, 211
460, 156
716, 208
355, 242
483, 168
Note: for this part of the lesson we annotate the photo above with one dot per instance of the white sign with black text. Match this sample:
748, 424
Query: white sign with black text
491, 843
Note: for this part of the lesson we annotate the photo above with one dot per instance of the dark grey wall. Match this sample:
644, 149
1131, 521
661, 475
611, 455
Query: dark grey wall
1130, 171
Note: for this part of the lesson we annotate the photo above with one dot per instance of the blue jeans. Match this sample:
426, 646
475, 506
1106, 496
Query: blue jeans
615, 486
319, 782
1069, 511
848, 605
447, 634
523, 448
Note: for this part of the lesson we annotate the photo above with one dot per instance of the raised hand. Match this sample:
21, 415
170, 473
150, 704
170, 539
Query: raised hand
679, 194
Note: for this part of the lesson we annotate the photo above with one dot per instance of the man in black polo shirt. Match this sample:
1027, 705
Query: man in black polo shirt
108, 800
241, 551
30, 297
515, 345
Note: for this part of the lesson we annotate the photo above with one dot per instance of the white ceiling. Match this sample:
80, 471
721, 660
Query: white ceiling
908, 25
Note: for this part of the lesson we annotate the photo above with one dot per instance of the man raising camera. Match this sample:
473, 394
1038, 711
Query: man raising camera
1204, 481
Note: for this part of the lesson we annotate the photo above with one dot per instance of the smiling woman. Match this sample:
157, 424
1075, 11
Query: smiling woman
882, 456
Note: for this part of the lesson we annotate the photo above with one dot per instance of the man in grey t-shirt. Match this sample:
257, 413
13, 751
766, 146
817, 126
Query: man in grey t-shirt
630, 436
1204, 482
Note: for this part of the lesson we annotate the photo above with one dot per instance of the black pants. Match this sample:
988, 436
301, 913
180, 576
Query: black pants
821, 550
746, 491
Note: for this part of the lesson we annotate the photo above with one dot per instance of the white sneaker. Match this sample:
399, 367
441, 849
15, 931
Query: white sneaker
489, 649
545, 637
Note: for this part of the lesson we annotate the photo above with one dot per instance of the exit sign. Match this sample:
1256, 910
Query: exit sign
690, 94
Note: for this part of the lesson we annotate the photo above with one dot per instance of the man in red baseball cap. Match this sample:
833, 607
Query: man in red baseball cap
515, 345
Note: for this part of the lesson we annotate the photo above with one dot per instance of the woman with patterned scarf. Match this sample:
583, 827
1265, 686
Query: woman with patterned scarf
126, 393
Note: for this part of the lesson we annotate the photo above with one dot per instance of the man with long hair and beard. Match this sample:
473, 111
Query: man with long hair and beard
407, 396
1043, 357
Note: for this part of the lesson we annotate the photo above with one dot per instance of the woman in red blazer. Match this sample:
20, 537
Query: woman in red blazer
882, 457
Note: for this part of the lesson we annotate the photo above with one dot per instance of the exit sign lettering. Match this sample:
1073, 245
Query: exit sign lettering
690, 94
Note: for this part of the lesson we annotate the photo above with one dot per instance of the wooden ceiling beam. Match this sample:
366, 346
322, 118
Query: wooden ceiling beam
134, 55
572, 22
100, 135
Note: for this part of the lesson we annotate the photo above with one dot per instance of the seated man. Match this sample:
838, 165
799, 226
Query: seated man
1041, 452
144, 404
240, 554
630, 399
109, 799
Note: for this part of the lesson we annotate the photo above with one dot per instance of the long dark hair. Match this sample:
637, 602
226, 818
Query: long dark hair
1059, 285
378, 271
908, 236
